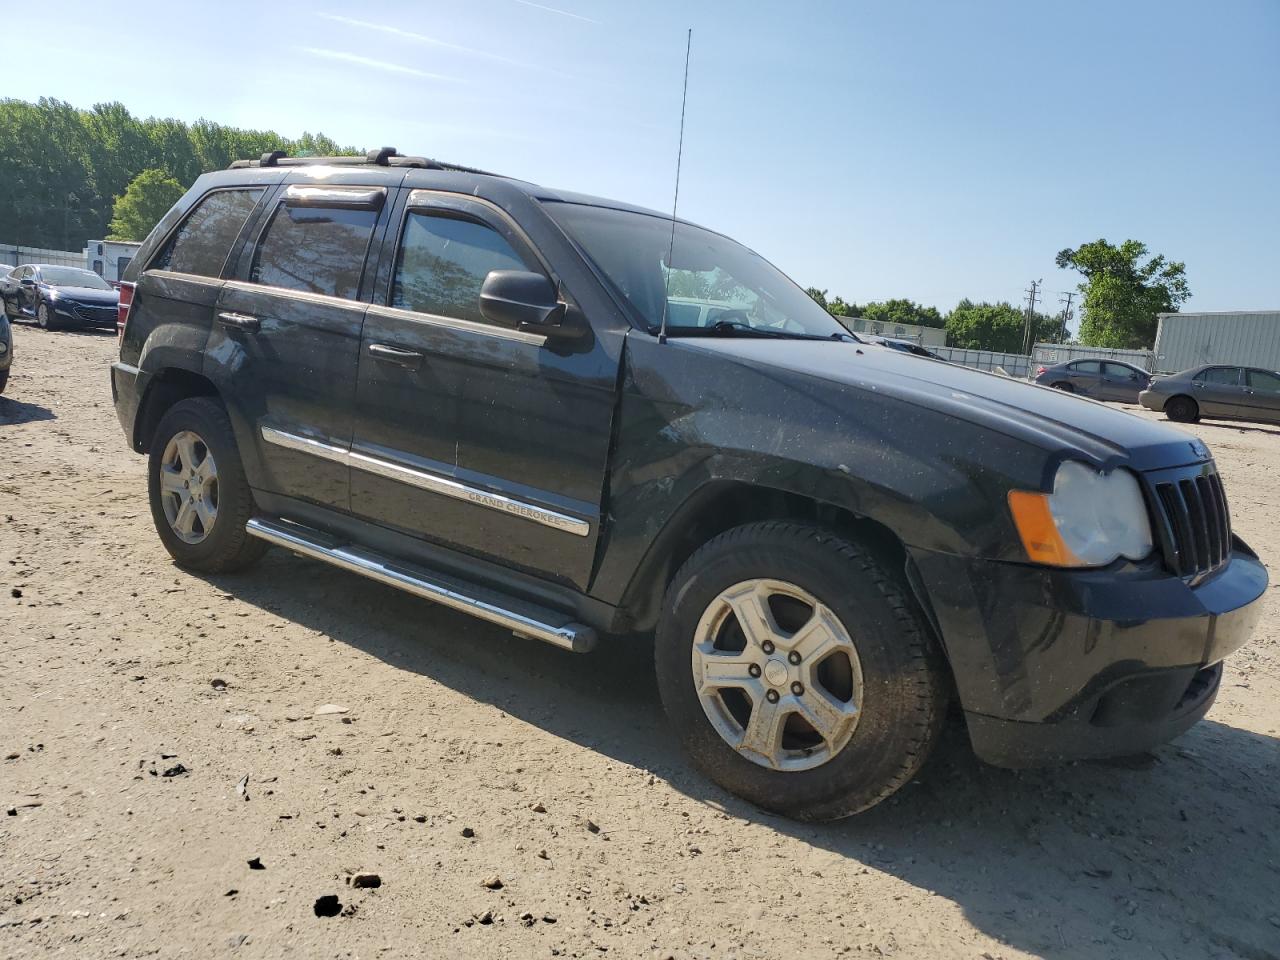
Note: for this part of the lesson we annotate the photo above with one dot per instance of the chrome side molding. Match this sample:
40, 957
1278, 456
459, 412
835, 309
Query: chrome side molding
522, 619
433, 482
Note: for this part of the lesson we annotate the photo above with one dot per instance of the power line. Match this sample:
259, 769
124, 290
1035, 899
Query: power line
1029, 326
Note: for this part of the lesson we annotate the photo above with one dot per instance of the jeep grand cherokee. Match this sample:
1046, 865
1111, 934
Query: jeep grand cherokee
475, 389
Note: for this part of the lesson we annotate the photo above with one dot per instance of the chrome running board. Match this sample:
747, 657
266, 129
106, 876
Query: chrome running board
521, 618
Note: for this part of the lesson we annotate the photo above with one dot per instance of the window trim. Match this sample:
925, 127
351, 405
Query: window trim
453, 206
1200, 377
263, 190
281, 201
1270, 373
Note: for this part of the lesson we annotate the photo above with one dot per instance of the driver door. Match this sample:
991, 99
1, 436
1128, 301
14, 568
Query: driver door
489, 440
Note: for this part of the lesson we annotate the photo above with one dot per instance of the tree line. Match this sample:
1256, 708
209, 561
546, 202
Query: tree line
68, 175
1123, 291
62, 168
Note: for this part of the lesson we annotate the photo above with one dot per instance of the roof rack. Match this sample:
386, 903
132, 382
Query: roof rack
382, 157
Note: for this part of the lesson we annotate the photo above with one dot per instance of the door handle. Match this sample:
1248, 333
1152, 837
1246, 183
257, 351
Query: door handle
384, 353
240, 321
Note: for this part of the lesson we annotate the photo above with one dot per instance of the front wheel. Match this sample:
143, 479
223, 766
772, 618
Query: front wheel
1064, 386
45, 318
200, 498
798, 672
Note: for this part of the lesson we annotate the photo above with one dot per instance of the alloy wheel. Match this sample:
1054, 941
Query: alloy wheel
777, 675
189, 486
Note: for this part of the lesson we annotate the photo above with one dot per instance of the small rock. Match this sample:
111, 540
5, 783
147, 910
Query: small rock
420, 818
468, 832
231, 893
366, 880
328, 906
527, 919
592, 826
237, 940
329, 709
12, 756
361, 813
485, 918
548, 918
242, 786
542, 855
256, 864
176, 770
15, 593
1124, 933
538, 807
335, 751
218, 684
493, 883
12, 811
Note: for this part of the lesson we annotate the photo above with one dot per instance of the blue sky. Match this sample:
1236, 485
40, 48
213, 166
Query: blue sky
932, 150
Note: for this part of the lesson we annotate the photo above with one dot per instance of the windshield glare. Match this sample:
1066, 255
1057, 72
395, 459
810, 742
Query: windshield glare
702, 280
71, 277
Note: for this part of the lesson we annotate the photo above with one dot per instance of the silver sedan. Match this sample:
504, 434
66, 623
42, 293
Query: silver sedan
1218, 391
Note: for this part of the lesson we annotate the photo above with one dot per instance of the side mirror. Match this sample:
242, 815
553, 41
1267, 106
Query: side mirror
27, 281
522, 300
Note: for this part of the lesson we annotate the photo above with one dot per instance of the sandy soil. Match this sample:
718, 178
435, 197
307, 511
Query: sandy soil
465, 754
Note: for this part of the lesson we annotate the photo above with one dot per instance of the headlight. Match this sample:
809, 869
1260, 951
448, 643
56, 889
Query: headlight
1089, 520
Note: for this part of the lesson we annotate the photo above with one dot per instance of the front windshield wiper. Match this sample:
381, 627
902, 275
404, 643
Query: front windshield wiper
730, 328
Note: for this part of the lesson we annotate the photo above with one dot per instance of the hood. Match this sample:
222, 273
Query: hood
85, 294
1056, 421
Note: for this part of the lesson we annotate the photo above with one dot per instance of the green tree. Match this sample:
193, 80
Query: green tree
902, 311
1122, 294
991, 326
62, 168
147, 198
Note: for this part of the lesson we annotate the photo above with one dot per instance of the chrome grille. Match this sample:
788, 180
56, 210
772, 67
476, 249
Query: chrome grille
1193, 524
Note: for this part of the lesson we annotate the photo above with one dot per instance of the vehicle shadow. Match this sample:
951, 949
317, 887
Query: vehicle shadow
1175, 853
1236, 425
13, 412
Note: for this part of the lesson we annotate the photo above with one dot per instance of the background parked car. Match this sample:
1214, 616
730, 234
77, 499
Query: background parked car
1223, 392
52, 296
1100, 379
6, 350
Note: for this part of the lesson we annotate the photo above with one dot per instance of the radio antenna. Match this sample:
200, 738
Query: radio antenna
675, 203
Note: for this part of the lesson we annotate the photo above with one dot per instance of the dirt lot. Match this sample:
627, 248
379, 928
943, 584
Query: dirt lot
465, 753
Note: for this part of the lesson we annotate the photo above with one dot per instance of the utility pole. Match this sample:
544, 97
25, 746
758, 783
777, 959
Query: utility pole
1066, 314
1029, 327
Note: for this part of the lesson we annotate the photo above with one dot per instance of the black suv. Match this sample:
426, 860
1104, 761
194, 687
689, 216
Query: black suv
475, 389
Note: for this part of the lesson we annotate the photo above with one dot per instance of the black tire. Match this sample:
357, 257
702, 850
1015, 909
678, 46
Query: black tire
905, 684
1064, 386
46, 319
226, 546
1182, 409
4, 380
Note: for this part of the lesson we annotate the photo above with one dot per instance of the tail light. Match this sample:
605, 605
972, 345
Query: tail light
122, 310
1039, 371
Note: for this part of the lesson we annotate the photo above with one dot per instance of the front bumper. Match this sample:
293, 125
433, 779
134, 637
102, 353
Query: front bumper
94, 315
1056, 665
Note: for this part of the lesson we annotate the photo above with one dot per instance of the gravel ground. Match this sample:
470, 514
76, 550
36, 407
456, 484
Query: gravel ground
516, 800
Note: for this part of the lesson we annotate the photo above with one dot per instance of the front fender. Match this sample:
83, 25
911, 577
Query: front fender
689, 422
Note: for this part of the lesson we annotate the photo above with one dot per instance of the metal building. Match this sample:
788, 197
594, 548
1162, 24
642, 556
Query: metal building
1246, 337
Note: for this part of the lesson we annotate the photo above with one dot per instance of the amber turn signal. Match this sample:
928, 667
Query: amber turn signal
1039, 532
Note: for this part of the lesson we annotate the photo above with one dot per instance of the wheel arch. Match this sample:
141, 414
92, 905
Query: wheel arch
719, 506
164, 389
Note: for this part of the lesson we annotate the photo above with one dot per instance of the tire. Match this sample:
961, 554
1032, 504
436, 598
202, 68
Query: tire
222, 545
45, 318
4, 380
1182, 409
1064, 387
898, 669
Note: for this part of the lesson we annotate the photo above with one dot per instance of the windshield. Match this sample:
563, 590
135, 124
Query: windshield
71, 277
708, 285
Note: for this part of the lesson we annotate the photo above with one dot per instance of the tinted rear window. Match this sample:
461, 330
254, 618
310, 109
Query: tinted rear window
315, 249
201, 244
1227, 376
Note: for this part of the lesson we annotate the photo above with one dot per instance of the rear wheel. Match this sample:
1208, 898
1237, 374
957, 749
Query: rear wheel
1064, 386
4, 380
1182, 409
200, 498
797, 671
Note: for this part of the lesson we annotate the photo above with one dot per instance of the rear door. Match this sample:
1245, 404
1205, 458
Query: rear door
486, 439
285, 343
1262, 395
1086, 377
1220, 392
